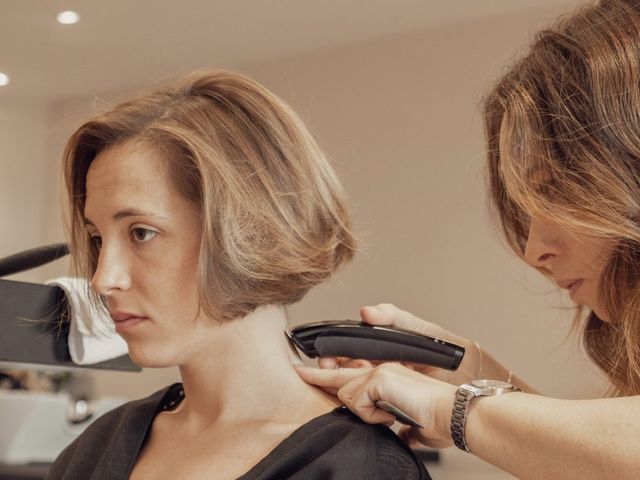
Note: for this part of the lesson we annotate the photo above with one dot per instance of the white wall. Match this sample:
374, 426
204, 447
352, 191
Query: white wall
400, 119
24, 186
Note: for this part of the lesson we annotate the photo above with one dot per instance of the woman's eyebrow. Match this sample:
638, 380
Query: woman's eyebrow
128, 212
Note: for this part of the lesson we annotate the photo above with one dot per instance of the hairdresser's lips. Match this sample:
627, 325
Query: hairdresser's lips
572, 285
126, 321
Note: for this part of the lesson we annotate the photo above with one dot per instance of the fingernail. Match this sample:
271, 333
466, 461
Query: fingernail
373, 309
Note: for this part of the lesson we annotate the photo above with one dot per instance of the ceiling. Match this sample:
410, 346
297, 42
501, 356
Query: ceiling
122, 43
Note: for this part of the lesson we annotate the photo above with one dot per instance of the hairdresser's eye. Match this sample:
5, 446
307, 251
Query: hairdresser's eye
97, 241
142, 235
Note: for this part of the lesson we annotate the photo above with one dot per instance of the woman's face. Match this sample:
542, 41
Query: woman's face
149, 239
575, 263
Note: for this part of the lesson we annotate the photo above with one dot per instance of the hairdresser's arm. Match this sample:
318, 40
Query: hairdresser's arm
529, 436
477, 363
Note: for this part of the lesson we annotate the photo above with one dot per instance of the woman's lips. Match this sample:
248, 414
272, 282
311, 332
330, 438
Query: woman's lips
124, 322
128, 324
574, 287
572, 284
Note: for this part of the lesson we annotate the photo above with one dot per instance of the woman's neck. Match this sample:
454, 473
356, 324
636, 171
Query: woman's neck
246, 374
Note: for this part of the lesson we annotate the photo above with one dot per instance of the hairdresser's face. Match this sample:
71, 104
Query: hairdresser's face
149, 240
575, 262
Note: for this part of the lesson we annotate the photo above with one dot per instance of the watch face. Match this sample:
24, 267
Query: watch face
491, 384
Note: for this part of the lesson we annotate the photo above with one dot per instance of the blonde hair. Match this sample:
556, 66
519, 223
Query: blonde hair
274, 215
570, 115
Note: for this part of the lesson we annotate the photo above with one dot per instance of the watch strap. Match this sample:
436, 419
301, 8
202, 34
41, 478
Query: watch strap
463, 396
459, 417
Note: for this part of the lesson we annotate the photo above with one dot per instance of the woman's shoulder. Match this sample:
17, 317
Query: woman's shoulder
126, 424
337, 446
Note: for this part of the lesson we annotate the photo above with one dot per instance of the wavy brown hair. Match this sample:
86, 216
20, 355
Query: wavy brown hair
569, 114
274, 215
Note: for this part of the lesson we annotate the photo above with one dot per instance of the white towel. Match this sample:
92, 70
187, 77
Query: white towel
92, 334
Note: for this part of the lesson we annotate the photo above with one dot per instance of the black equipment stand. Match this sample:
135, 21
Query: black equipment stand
34, 324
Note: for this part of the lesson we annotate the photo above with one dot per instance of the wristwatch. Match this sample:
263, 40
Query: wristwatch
464, 394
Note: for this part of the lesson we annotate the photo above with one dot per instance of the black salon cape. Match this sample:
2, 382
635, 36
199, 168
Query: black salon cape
334, 446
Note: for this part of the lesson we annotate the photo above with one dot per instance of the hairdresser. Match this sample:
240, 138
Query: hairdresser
563, 137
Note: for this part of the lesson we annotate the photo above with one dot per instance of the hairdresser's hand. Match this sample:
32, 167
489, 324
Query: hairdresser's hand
387, 314
425, 399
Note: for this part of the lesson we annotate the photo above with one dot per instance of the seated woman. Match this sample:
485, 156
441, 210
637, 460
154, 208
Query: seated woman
198, 211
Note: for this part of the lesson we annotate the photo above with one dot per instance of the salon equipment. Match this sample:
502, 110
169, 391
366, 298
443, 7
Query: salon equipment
36, 426
352, 339
32, 258
34, 328
92, 336
349, 338
34, 323
400, 415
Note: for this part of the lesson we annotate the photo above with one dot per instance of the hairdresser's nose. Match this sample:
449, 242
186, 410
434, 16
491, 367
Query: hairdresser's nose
544, 244
112, 272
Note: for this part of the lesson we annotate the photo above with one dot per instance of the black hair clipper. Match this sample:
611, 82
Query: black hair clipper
349, 338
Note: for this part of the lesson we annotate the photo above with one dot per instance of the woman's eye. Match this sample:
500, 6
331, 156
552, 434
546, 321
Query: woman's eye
141, 235
97, 241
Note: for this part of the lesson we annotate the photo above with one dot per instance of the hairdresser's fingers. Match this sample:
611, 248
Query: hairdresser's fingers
328, 362
330, 390
352, 386
389, 314
335, 378
354, 363
410, 366
409, 436
359, 397
303, 368
332, 362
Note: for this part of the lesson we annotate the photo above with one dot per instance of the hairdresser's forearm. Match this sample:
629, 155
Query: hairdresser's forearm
532, 436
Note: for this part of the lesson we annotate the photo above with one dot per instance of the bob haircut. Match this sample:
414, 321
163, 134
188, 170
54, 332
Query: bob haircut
274, 216
569, 112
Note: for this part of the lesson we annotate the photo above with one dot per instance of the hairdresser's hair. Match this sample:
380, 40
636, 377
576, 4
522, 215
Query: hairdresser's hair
274, 218
569, 112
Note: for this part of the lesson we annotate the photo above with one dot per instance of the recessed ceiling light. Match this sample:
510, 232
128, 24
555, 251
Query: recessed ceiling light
4, 79
68, 17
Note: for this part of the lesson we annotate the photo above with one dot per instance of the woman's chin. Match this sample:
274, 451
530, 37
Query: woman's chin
602, 315
150, 359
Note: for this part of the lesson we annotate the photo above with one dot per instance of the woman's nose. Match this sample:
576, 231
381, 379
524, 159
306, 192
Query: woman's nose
111, 273
543, 244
